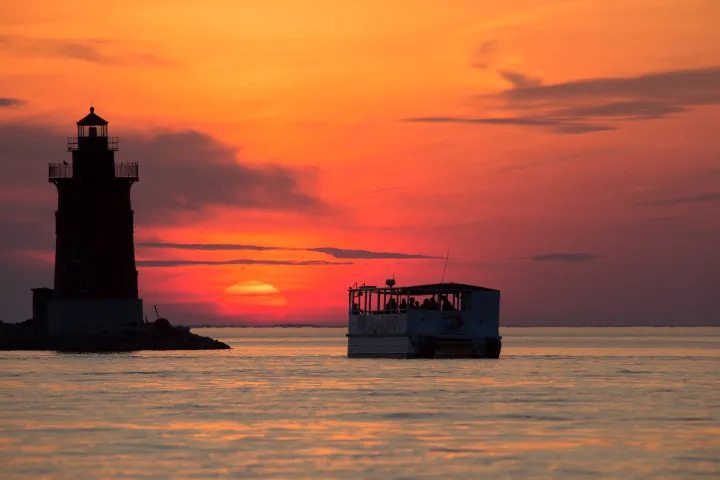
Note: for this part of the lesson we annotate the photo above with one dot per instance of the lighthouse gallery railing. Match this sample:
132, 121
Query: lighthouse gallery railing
112, 143
122, 170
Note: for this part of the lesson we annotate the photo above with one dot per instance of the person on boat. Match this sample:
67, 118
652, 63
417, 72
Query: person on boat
403, 306
446, 305
355, 309
433, 303
412, 303
426, 304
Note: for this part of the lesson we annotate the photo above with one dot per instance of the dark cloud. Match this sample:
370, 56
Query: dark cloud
485, 54
240, 261
77, 49
27, 200
538, 121
179, 172
331, 251
642, 97
556, 125
575, 128
628, 110
366, 254
520, 80
561, 257
188, 171
9, 102
207, 246
675, 87
701, 198
588, 105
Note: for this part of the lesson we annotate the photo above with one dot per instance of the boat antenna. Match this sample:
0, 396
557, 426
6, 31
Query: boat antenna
156, 311
446, 262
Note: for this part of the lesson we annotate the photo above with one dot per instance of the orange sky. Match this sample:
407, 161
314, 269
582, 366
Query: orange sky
566, 150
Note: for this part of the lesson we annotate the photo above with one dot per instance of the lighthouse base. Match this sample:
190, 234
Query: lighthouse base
94, 315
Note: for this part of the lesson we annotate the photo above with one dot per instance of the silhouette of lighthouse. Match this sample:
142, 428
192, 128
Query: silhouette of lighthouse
96, 285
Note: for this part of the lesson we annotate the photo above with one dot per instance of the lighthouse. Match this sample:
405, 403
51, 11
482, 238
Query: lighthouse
96, 282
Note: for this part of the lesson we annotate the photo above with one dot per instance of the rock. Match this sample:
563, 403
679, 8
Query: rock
159, 335
162, 323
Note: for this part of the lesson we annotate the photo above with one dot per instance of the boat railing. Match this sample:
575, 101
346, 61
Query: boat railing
401, 304
396, 311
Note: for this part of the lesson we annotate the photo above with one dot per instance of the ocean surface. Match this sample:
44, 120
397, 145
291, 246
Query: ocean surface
560, 403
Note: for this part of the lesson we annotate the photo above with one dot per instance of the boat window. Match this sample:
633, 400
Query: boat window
465, 300
372, 301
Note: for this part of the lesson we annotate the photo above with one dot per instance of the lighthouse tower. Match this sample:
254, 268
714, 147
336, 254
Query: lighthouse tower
96, 286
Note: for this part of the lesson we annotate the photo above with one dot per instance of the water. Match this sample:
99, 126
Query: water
286, 403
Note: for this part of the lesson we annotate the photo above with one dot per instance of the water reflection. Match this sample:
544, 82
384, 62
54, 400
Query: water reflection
560, 403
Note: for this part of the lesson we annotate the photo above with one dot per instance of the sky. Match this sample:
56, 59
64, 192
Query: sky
563, 152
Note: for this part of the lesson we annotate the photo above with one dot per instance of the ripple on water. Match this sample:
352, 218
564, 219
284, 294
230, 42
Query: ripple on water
292, 406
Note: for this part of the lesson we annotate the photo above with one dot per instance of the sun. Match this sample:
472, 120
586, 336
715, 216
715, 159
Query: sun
252, 287
255, 292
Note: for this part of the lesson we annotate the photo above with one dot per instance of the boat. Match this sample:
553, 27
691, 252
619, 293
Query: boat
441, 320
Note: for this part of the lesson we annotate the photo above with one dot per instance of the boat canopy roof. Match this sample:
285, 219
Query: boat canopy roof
428, 289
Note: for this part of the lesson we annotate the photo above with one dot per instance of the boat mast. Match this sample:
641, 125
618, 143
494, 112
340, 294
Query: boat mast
446, 262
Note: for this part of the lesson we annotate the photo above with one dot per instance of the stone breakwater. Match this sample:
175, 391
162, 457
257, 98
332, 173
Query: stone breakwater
157, 335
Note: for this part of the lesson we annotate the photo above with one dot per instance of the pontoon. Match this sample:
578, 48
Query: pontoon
442, 320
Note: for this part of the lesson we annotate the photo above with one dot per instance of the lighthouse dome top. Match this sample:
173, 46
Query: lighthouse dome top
92, 120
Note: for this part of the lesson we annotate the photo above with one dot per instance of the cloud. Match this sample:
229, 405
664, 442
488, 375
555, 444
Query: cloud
595, 104
561, 257
367, 254
556, 125
485, 54
179, 172
87, 50
239, 261
26, 199
641, 97
686, 87
207, 246
334, 252
629, 110
520, 80
188, 171
9, 102
701, 198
